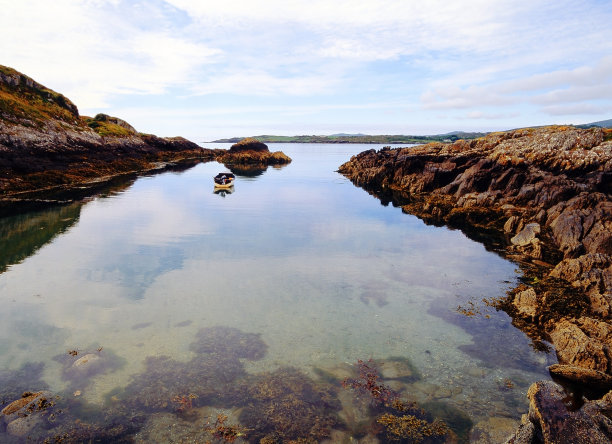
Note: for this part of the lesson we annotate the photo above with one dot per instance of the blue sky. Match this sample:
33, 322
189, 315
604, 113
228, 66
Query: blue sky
210, 69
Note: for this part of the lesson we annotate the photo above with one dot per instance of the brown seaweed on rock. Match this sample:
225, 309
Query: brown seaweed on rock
208, 377
397, 420
287, 406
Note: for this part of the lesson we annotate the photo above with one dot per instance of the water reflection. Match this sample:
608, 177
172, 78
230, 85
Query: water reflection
280, 290
23, 234
251, 169
224, 191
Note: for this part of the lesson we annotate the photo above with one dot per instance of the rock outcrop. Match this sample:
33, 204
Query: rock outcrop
542, 197
251, 152
44, 142
552, 420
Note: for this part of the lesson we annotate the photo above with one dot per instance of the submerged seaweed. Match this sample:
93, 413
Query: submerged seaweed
397, 420
286, 405
207, 378
229, 341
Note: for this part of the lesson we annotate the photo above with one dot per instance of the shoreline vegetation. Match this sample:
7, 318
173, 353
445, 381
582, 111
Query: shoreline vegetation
386, 139
541, 197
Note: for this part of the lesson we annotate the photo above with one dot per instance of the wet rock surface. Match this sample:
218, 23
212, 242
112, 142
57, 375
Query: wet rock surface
541, 197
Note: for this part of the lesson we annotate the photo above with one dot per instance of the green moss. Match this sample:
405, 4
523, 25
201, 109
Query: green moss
105, 128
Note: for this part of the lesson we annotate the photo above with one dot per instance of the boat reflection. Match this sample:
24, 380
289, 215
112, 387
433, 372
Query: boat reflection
223, 191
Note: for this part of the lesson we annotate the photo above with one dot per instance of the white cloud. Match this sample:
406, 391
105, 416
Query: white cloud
483, 58
89, 52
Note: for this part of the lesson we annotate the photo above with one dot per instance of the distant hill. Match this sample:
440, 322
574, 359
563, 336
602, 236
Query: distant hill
601, 124
360, 138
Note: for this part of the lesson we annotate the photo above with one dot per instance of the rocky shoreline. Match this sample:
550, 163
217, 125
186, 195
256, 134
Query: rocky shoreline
46, 146
542, 198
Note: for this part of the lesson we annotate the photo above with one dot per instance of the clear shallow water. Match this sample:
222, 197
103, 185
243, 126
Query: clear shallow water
323, 272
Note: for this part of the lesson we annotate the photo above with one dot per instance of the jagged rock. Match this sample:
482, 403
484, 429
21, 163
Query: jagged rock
524, 434
513, 224
581, 375
575, 347
554, 422
527, 235
526, 302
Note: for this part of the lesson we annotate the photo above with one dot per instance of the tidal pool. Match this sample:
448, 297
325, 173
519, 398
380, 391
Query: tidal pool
172, 290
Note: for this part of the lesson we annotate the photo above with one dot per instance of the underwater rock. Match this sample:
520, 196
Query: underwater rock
21, 427
229, 341
492, 430
27, 413
165, 382
27, 404
398, 368
169, 428
80, 370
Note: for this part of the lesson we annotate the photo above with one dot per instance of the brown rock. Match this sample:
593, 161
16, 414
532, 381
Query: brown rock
492, 430
248, 144
574, 347
527, 235
526, 302
19, 404
582, 375
555, 423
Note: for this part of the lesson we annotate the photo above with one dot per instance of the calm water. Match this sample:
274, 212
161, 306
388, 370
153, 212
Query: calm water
315, 266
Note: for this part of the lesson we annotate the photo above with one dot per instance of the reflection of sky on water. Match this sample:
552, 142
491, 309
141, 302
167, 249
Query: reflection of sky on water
317, 266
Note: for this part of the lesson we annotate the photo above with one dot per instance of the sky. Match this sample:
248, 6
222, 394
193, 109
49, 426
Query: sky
208, 69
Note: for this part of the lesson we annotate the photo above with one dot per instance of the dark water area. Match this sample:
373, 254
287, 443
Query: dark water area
292, 307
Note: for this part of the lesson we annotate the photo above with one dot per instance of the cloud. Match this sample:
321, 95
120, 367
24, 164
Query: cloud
577, 109
88, 51
482, 58
555, 90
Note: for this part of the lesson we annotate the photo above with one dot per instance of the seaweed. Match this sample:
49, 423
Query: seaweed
286, 405
397, 420
204, 380
229, 341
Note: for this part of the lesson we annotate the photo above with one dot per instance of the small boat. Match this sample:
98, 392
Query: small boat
224, 180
